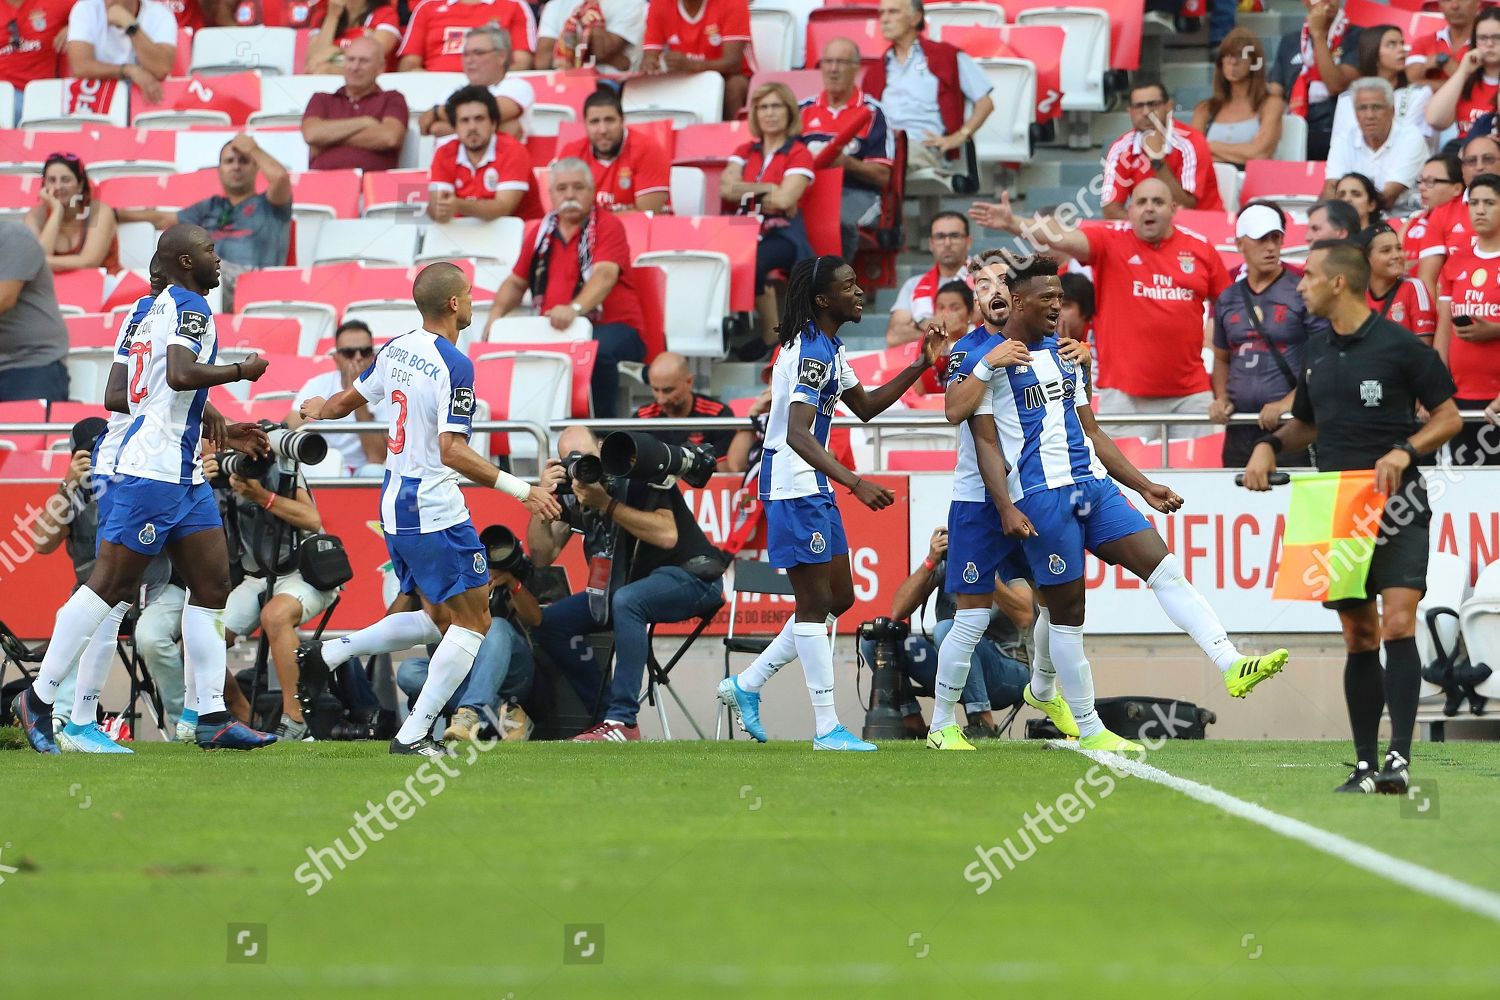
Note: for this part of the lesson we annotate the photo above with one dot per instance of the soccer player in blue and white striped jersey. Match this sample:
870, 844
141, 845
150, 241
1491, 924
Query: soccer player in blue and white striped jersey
805, 533
1054, 463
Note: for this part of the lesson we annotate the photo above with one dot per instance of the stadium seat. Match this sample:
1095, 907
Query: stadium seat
734, 236
109, 151
311, 295
1292, 147
203, 151
1040, 44
7, 105
546, 119
80, 291
1480, 621
531, 385
266, 334
137, 243
1125, 18
685, 98
709, 144
1290, 185
386, 241
91, 330
536, 330
698, 283
161, 191
773, 34
1438, 612
1217, 228
123, 289
271, 51
689, 194
962, 15
23, 411
285, 374
1228, 176
200, 100
421, 90
72, 104
283, 99
820, 207
493, 247
88, 373
568, 88
797, 11
395, 192
862, 29
1005, 135
650, 285
385, 319
804, 83
19, 194
582, 355
1086, 51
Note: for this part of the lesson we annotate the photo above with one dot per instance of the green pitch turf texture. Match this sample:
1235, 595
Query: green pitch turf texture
731, 870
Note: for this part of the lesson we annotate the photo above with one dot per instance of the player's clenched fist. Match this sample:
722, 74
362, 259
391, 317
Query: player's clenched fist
1163, 498
253, 367
1015, 524
312, 408
872, 496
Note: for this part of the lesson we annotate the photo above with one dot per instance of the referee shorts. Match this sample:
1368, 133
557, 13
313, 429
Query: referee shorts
1400, 558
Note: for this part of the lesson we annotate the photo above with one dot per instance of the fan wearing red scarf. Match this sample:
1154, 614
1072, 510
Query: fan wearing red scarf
1329, 51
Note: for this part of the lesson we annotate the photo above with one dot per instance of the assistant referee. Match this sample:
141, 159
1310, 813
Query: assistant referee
1357, 399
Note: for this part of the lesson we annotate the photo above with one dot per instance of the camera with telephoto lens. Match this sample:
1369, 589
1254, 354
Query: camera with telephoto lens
235, 463
631, 455
504, 553
304, 447
584, 468
884, 630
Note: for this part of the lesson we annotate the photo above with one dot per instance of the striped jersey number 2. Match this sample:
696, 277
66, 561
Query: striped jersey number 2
397, 440
140, 355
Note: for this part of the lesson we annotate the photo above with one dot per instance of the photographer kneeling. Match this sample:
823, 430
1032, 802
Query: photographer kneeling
649, 562
268, 514
503, 668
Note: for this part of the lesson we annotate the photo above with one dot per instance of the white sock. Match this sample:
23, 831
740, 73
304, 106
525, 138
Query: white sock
1191, 612
450, 665
205, 655
391, 634
1077, 679
816, 654
1043, 673
189, 691
775, 656
77, 620
93, 666
954, 658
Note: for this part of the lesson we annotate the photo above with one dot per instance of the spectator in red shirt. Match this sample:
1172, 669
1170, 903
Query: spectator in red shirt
1434, 57
1449, 229
1469, 93
487, 57
31, 43
699, 36
1468, 327
342, 23
1159, 146
576, 262
483, 173
435, 35
1439, 182
1402, 300
1151, 282
768, 177
631, 172
359, 126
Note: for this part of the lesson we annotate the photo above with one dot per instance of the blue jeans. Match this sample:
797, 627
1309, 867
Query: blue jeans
42, 382
998, 681
617, 342
503, 670
668, 594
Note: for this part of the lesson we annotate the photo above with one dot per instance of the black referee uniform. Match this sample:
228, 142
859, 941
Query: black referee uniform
1361, 391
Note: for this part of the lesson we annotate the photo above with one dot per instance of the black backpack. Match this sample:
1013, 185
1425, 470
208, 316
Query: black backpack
1137, 717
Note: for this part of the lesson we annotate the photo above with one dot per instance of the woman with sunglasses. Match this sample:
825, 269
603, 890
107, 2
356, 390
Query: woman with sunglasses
353, 351
1440, 180
76, 231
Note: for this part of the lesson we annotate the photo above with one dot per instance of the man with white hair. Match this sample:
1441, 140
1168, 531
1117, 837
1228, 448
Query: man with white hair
486, 61
576, 262
1388, 153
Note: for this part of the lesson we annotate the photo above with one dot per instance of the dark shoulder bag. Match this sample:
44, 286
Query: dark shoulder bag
1271, 346
323, 562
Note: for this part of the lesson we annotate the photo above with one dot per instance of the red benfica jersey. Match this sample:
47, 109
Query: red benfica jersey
1470, 284
668, 26
1150, 301
26, 51
641, 167
505, 167
1410, 306
437, 29
1448, 229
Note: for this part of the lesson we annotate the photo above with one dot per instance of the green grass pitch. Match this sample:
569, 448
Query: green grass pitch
708, 870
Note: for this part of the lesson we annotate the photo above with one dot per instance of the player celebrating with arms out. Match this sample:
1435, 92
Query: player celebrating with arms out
804, 531
1049, 463
428, 532
160, 500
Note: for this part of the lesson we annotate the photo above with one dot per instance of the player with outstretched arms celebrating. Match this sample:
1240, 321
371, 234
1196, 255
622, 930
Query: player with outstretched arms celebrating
428, 532
160, 500
1055, 464
804, 531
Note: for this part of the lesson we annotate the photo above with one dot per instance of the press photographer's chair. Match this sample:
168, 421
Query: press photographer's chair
658, 674
751, 576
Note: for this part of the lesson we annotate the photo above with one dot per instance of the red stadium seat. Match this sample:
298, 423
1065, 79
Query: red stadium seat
337, 191
182, 59
23, 411
69, 412
127, 291
1215, 227
66, 103
805, 83
916, 460
1273, 180
19, 192
394, 190
583, 353
543, 148
285, 375
199, 100
1126, 18
733, 235
742, 407
820, 206
82, 291
710, 144
637, 230
650, 285
569, 88
92, 330
863, 30
1040, 44
266, 334
167, 192
1413, 23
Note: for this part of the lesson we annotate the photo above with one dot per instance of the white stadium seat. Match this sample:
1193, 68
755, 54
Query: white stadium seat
962, 15
541, 390
137, 244
1006, 133
1447, 579
203, 151
369, 241
689, 191
272, 51
421, 90
1229, 178
685, 98
798, 10
1480, 621
493, 246
536, 330
283, 99
46, 105
546, 119
1293, 145
774, 36
88, 373
1085, 52
697, 297
386, 319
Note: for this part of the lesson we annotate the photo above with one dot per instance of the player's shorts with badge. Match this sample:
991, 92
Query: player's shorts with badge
1069, 520
146, 515
978, 549
804, 530
439, 563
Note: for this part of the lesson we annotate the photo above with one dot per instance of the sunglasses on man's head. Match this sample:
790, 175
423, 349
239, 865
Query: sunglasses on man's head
355, 352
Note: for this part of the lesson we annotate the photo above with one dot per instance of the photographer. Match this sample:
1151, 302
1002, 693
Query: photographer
266, 519
1000, 655
503, 668
649, 562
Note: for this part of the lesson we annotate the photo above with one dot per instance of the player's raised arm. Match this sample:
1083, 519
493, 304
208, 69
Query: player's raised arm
185, 373
866, 404
335, 407
1042, 231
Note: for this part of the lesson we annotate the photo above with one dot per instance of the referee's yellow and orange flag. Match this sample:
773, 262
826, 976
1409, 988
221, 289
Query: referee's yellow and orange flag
1330, 536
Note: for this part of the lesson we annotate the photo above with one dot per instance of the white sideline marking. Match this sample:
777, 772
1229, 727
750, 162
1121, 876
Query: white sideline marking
1413, 876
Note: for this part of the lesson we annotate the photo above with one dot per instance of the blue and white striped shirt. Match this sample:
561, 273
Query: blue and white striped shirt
814, 370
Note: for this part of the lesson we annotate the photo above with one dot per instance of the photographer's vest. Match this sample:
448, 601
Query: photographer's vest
252, 530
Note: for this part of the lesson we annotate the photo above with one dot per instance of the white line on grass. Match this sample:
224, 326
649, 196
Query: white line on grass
1413, 876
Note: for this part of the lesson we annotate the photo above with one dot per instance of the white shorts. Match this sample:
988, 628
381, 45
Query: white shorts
242, 610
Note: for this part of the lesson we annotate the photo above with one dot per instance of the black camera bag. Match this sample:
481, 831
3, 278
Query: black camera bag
323, 562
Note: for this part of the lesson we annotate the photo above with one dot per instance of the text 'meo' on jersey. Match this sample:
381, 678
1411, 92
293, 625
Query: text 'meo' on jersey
814, 370
165, 434
108, 448
971, 348
1035, 410
429, 387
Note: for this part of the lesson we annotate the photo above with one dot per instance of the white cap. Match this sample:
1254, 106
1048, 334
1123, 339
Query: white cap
1258, 222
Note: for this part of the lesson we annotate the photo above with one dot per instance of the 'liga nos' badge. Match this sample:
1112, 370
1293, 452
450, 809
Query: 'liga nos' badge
1186, 262
1055, 565
971, 573
479, 563
816, 543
